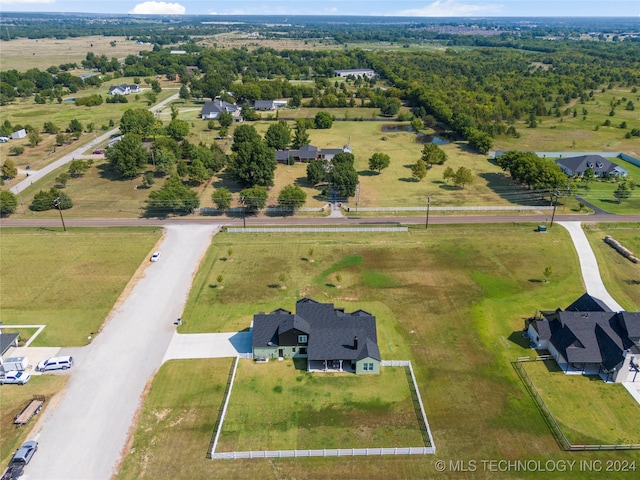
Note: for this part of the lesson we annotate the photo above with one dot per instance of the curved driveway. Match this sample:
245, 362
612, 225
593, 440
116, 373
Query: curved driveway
82, 438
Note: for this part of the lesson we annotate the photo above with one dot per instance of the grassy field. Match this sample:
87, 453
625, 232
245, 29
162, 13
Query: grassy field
177, 421
68, 281
588, 410
23, 53
453, 300
279, 407
13, 399
569, 133
600, 192
620, 276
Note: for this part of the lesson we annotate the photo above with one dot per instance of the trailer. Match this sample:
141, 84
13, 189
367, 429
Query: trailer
15, 363
32, 408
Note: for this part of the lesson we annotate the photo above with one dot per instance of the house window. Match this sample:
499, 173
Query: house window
367, 367
293, 349
302, 339
303, 350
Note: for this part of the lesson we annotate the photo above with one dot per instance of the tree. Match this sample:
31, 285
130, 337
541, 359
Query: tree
147, 180
448, 174
254, 163
344, 178
419, 170
323, 120
138, 121
62, 179
9, 169
165, 160
417, 124
51, 128
292, 197
184, 93
547, 273
16, 150
225, 119
182, 169
432, 154
622, 192
346, 158
128, 157
463, 177
45, 200
301, 137
198, 172
61, 138
478, 140
278, 135
244, 133
316, 172
254, 198
78, 167
222, 198
390, 106
177, 129
588, 176
174, 196
379, 161
8, 202
34, 138
74, 126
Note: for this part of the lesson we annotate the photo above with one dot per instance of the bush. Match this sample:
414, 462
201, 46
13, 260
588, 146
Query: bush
8, 202
90, 101
16, 150
47, 200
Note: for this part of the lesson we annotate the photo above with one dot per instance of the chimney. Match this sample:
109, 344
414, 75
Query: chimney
355, 342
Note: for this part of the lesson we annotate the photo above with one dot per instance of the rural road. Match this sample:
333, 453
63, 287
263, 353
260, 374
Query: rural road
82, 438
37, 175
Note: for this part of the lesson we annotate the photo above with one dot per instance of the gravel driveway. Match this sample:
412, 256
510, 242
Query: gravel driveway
84, 435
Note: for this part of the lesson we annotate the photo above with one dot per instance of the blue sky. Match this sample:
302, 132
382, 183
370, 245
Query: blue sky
424, 8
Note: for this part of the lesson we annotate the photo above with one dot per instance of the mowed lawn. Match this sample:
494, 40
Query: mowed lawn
13, 399
588, 410
67, 281
620, 275
279, 406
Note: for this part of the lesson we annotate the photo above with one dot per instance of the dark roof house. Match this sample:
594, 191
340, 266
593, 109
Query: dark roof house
576, 166
589, 338
306, 153
211, 110
328, 337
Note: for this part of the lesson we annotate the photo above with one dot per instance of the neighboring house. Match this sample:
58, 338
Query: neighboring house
124, 89
356, 72
269, 104
576, 166
178, 52
211, 110
306, 153
327, 337
8, 340
589, 338
19, 134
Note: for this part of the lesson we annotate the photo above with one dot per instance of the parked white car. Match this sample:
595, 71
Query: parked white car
4, 139
14, 376
155, 257
55, 363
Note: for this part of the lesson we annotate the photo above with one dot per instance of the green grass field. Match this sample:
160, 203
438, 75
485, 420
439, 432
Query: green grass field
588, 410
453, 300
620, 275
600, 192
277, 406
13, 399
67, 281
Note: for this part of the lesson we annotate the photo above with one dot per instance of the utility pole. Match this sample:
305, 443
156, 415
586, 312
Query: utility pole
56, 204
426, 225
244, 215
554, 211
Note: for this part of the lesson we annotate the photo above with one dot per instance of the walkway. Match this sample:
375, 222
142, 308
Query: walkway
589, 266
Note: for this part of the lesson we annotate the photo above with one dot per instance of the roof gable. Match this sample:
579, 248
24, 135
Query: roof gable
588, 303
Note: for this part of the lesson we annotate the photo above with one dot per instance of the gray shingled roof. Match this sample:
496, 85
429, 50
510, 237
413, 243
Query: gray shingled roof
6, 341
631, 322
331, 331
218, 106
263, 104
587, 303
596, 162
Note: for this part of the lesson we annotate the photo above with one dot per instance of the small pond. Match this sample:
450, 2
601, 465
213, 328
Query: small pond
69, 99
421, 137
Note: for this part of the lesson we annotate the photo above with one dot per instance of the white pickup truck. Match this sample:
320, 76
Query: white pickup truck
15, 376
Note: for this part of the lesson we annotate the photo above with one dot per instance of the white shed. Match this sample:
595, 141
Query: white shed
19, 134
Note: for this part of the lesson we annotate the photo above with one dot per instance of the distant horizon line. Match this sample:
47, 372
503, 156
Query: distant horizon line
390, 15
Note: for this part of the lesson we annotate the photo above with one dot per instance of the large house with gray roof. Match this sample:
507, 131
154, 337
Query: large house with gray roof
211, 110
330, 339
306, 153
589, 338
576, 166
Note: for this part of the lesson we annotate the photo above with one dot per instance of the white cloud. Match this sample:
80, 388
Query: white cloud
22, 2
158, 8
449, 8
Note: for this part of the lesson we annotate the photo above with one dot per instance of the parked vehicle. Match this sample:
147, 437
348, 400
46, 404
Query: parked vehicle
55, 363
155, 257
14, 376
99, 151
4, 139
31, 409
25, 453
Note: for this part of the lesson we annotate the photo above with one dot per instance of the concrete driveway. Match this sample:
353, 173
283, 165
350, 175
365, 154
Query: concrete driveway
83, 437
208, 345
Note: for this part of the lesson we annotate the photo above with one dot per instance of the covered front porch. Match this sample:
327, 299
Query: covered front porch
331, 366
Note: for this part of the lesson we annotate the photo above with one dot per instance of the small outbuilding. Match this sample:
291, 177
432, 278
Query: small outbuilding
19, 134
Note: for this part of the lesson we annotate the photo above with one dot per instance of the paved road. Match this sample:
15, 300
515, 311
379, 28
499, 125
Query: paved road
589, 266
83, 437
273, 221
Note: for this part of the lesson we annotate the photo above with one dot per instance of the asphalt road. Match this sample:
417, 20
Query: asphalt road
272, 221
83, 436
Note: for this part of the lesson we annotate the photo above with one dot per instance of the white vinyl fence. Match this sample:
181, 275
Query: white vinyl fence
316, 229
